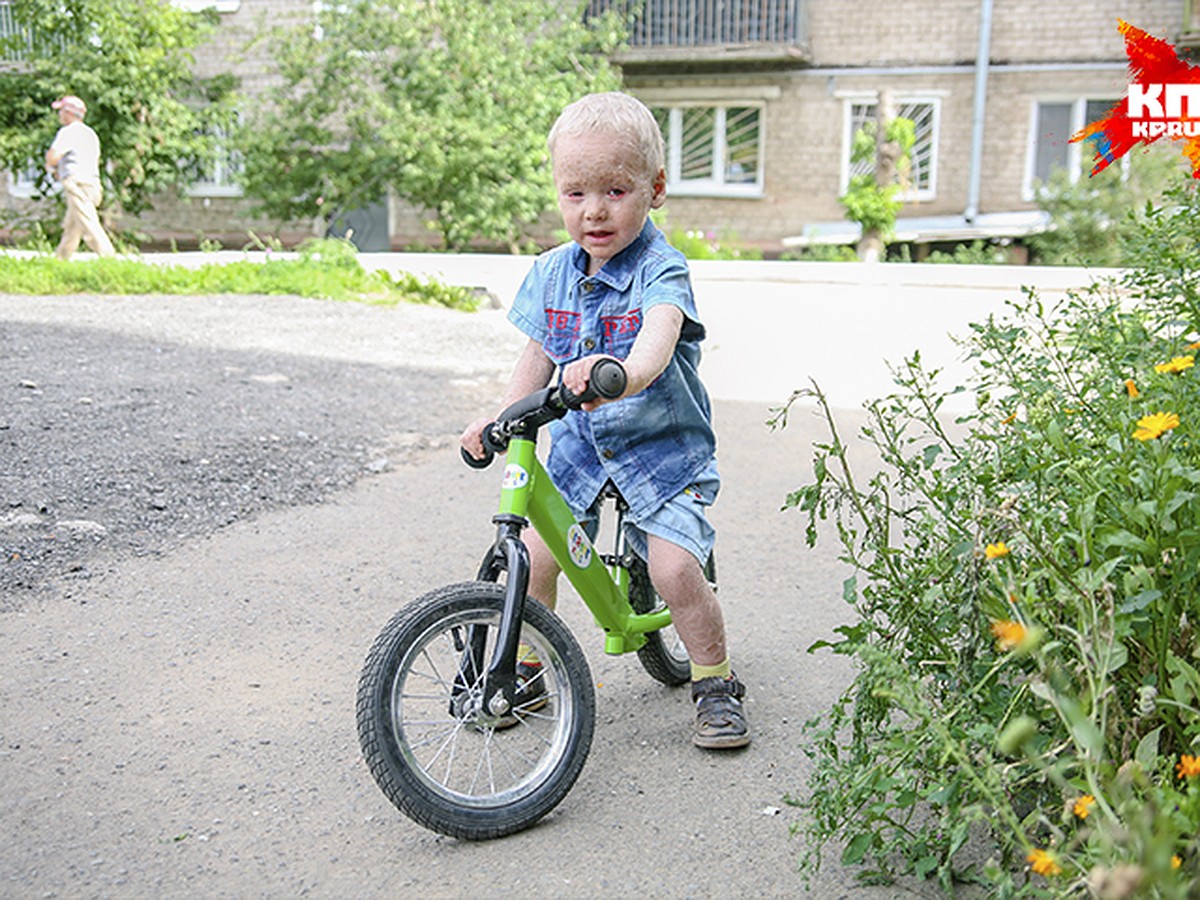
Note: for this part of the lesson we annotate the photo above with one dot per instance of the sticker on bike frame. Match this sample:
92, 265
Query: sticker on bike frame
578, 546
514, 477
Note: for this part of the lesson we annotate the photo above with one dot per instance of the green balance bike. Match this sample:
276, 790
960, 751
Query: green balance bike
459, 730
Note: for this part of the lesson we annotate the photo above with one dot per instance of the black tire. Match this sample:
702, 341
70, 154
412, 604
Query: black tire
663, 655
448, 766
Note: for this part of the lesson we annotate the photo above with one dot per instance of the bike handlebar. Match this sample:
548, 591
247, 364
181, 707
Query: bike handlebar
606, 379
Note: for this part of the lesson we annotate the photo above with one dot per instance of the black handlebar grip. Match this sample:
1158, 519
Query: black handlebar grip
607, 379
491, 446
475, 462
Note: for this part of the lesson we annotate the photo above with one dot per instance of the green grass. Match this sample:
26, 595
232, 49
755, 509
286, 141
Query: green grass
326, 269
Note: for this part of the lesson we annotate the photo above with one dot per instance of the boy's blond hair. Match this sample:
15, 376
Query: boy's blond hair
614, 113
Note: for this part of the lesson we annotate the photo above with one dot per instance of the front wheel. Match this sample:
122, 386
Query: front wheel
663, 655
432, 748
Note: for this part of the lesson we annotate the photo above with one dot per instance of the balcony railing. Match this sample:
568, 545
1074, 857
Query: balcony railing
706, 29
16, 41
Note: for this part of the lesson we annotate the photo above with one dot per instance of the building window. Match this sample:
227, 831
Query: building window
18, 39
922, 175
23, 185
1189, 36
218, 175
713, 150
221, 6
1050, 150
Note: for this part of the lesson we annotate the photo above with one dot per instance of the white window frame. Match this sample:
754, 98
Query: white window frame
225, 183
900, 100
221, 6
23, 185
716, 186
320, 6
1077, 166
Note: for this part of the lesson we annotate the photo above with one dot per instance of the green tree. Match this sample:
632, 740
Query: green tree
131, 62
445, 103
872, 197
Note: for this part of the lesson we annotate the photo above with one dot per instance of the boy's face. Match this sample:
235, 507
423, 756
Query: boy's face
604, 193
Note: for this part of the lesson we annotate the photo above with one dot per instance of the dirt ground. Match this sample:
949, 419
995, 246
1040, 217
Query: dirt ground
178, 681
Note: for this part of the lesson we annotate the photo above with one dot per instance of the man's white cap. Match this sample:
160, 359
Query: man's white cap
72, 104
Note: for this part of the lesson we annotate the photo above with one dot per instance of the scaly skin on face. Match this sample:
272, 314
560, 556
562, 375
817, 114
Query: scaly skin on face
604, 193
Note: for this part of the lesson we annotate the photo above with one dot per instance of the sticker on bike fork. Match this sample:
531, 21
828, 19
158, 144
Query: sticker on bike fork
514, 477
578, 546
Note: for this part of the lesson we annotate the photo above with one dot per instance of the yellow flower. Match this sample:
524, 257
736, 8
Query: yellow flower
1176, 365
1008, 634
1084, 805
1154, 426
1194, 346
1131, 388
1176, 862
1042, 862
1189, 766
996, 550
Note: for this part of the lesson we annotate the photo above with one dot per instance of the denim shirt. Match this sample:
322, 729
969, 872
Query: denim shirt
651, 445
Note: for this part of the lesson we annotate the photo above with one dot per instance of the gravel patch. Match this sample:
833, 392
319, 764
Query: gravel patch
121, 444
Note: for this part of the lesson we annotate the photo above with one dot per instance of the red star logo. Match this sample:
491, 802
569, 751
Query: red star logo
1164, 95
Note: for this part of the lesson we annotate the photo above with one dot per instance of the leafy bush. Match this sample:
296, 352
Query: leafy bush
822, 253
326, 268
710, 245
1093, 219
1026, 598
976, 253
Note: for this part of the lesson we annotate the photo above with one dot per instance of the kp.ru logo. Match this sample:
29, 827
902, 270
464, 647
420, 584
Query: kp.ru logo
1163, 101
1156, 110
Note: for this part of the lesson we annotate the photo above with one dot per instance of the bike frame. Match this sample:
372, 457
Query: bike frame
527, 491
528, 497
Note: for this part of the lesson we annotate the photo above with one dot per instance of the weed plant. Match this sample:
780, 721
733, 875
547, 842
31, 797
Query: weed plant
710, 245
326, 268
976, 253
1025, 709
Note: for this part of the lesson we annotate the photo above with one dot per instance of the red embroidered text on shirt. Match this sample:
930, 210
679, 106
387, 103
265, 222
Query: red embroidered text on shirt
562, 320
621, 324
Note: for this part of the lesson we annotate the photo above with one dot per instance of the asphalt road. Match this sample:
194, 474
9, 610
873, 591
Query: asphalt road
208, 508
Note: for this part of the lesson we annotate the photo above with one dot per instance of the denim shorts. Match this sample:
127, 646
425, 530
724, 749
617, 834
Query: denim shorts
681, 520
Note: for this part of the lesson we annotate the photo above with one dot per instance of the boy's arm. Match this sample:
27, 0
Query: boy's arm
649, 356
532, 372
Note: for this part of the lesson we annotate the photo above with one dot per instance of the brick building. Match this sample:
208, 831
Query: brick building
995, 88
758, 100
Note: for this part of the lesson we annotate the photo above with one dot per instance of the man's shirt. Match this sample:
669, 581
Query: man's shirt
80, 150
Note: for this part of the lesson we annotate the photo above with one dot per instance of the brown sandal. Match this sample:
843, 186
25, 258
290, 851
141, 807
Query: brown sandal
720, 720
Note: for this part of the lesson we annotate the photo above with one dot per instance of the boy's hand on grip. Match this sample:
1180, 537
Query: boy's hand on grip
593, 381
474, 454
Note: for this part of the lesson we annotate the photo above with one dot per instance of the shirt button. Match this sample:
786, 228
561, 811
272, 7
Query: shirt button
607, 454
589, 286
589, 344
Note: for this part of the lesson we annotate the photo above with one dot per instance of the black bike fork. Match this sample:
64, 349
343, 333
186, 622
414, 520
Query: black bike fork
510, 554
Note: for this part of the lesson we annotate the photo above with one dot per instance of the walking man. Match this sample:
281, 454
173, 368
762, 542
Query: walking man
74, 159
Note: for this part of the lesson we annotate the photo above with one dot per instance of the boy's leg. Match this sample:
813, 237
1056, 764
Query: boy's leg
695, 611
543, 570
696, 614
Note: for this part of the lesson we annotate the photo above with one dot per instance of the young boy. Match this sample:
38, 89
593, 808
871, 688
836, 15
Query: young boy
620, 290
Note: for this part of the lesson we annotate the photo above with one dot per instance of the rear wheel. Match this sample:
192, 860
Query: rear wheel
663, 655
433, 749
